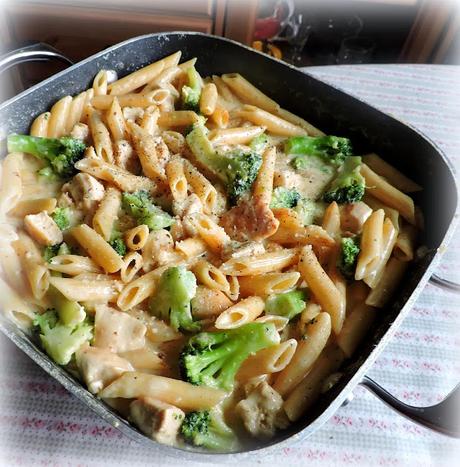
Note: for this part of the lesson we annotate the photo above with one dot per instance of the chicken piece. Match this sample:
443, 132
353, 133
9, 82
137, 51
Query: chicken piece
262, 411
158, 250
80, 131
191, 205
242, 250
117, 331
208, 302
252, 219
85, 190
42, 228
100, 367
158, 420
353, 216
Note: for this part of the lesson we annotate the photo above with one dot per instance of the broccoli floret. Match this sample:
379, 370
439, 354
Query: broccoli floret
284, 198
236, 169
207, 429
172, 298
309, 210
117, 243
349, 251
59, 340
55, 250
330, 148
141, 206
213, 358
191, 92
259, 143
62, 217
349, 185
60, 154
288, 304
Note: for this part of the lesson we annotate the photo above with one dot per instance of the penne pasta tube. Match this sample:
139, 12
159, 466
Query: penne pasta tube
107, 213
124, 100
99, 250
176, 118
267, 284
73, 265
245, 311
101, 137
220, 117
331, 220
132, 264
326, 293
191, 247
238, 135
266, 361
280, 322
308, 350
176, 180
58, 119
208, 99
116, 121
149, 121
174, 140
40, 125
371, 244
132, 385
136, 238
111, 173
100, 83
225, 93
11, 187
248, 93
392, 175
404, 248
388, 194
290, 117
272, 123
210, 276
389, 236
81, 290
141, 77
34, 206
391, 213
76, 109
211, 233
390, 280
260, 264
308, 391
355, 327
262, 188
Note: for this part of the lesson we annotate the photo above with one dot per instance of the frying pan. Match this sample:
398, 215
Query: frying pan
326, 107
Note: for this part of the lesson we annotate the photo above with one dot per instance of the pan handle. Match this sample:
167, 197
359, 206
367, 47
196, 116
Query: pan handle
444, 283
31, 53
443, 417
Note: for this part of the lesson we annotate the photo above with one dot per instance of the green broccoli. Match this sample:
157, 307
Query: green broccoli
55, 250
349, 251
60, 154
117, 243
208, 429
140, 205
259, 143
309, 211
332, 149
213, 358
288, 304
171, 301
236, 169
59, 340
62, 217
349, 185
191, 92
284, 198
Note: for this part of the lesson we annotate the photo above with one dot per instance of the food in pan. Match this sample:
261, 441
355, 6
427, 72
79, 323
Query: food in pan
200, 258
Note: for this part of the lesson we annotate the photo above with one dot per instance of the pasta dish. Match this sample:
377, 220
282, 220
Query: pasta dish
200, 258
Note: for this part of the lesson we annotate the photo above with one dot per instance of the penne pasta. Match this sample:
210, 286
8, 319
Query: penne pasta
132, 264
238, 135
245, 311
107, 213
136, 238
267, 284
82, 289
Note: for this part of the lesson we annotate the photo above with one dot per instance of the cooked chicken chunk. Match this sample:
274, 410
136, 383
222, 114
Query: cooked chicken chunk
42, 228
100, 367
191, 205
85, 190
158, 420
262, 411
117, 331
208, 303
353, 216
80, 131
235, 250
252, 219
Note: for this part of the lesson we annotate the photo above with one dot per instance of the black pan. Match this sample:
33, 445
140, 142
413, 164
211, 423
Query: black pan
326, 107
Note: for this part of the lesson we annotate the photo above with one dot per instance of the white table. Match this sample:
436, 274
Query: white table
41, 424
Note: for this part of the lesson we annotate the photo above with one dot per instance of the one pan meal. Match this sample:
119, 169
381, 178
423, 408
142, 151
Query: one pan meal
202, 259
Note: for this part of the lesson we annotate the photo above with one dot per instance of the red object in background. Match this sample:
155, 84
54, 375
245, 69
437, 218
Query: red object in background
266, 28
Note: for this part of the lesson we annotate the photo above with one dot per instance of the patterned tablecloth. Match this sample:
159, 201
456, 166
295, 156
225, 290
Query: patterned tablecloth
42, 424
